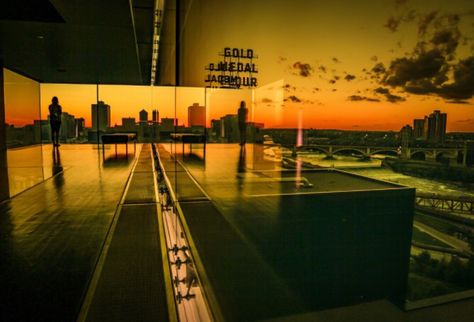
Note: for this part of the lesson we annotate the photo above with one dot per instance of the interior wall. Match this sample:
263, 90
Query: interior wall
4, 190
23, 131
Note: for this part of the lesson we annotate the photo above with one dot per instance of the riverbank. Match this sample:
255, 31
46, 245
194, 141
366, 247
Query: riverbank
431, 170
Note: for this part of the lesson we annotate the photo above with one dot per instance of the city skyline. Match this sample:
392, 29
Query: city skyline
76, 98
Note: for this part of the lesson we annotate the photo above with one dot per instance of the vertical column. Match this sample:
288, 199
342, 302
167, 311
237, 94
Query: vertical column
464, 155
4, 190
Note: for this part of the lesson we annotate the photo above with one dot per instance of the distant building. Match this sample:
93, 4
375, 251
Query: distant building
254, 132
215, 128
406, 136
100, 116
155, 116
439, 125
168, 124
230, 128
196, 115
80, 126
68, 127
42, 131
129, 124
432, 128
418, 125
143, 117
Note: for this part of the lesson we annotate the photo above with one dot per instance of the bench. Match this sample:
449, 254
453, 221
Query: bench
190, 138
116, 138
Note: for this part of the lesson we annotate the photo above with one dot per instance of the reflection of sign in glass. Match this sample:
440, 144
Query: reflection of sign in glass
237, 69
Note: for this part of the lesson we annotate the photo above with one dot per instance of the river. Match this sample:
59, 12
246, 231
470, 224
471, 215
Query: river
373, 169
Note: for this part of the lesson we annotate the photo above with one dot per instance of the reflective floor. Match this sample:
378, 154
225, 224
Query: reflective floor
51, 234
282, 242
25, 168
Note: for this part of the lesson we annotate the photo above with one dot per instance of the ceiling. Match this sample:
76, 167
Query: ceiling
78, 41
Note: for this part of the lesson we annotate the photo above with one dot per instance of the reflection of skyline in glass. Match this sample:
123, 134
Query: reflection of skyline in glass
127, 101
172, 102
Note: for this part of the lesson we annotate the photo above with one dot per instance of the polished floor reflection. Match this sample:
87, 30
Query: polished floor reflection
25, 168
279, 242
51, 234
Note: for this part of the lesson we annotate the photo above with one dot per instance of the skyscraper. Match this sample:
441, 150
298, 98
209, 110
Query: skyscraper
439, 124
196, 115
143, 117
155, 116
418, 125
128, 123
68, 126
100, 116
432, 128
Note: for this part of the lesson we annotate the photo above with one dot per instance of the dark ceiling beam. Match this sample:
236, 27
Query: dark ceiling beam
143, 15
96, 43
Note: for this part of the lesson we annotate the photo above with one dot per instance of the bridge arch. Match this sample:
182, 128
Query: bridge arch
315, 148
418, 155
361, 152
391, 152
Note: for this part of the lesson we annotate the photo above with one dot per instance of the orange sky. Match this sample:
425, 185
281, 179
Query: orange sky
329, 38
264, 104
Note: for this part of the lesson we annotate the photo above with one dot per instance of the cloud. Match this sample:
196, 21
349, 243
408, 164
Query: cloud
458, 102
282, 59
332, 81
266, 100
357, 98
304, 70
465, 121
293, 98
337, 61
374, 58
392, 23
381, 90
394, 98
462, 87
322, 68
399, 3
378, 69
349, 77
425, 21
426, 65
446, 40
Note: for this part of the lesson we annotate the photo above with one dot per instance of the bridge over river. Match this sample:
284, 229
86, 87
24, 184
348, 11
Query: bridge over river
429, 154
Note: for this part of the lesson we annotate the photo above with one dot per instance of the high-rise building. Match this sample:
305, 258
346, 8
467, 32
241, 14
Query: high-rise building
196, 115
439, 126
418, 125
80, 126
254, 132
68, 126
155, 116
143, 117
100, 113
406, 135
432, 128
230, 128
168, 124
128, 123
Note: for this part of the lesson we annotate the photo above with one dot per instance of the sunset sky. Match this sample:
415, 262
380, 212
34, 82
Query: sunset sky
355, 65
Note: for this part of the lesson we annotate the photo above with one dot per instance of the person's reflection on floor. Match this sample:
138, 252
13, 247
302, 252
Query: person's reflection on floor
241, 165
57, 168
241, 168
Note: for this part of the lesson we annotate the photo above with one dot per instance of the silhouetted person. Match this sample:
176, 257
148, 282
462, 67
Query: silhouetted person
55, 111
242, 113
